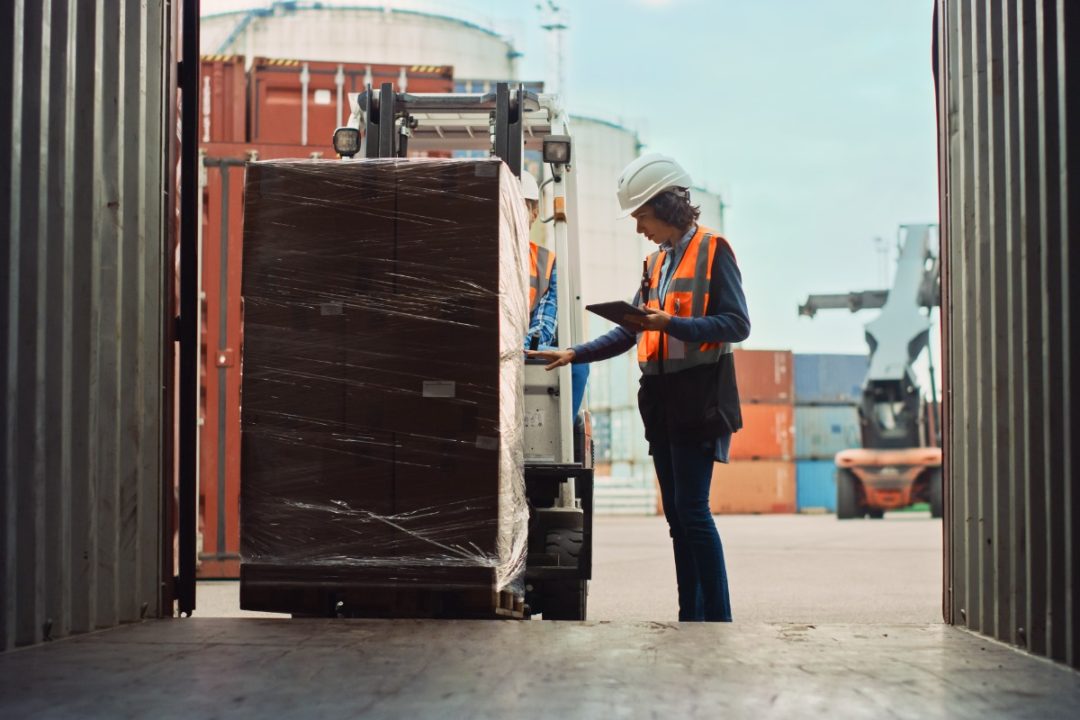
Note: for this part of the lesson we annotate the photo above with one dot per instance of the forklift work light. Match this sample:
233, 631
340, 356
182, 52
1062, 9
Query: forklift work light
557, 149
346, 141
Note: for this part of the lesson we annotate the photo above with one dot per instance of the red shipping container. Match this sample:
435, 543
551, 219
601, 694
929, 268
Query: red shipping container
765, 376
752, 487
283, 112
222, 331
767, 433
223, 99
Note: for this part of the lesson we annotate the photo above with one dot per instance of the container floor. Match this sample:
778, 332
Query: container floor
280, 668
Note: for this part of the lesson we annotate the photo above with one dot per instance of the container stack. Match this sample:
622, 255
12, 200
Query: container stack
828, 389
761, 476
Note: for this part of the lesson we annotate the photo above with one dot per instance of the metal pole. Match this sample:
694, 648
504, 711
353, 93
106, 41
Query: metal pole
189, 303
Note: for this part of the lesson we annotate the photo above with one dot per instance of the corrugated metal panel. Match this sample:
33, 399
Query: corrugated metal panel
766, 433
754, 486
829, 379
764, 376
815, 485
1009, 92
824, 430
81, 310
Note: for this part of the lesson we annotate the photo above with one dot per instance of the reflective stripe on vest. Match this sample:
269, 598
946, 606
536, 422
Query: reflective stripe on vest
687, 296
539, 257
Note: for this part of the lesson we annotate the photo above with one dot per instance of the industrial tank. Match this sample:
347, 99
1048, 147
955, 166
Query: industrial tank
611, 257
315, 31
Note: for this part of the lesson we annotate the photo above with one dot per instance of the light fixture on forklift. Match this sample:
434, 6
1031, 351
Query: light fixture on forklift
347, 141
557, 149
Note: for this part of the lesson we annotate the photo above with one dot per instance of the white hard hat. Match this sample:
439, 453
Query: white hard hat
529, 189
647, 177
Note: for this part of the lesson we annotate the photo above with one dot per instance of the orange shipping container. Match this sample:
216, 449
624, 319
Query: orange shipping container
303, 102
767, 433
765, 376
752, 487
223, 99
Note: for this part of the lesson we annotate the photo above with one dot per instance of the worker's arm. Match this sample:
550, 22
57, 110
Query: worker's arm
727, 318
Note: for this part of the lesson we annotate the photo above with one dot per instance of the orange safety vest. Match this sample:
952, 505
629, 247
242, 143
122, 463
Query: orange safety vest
539, 257
687, 296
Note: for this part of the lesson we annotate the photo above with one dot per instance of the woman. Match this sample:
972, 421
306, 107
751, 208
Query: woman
692, 295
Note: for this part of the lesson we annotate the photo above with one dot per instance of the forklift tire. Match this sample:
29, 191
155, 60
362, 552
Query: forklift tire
565, 543
937, 500
565, 600
875, 513
847, 496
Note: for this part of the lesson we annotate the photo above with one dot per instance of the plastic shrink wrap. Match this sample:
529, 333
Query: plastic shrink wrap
384, 310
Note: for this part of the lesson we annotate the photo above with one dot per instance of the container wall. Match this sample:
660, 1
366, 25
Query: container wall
815, 486
1009, 99
829, 379
301, 102
764, 376
767, 433
81, 308
822, 431
755, 486
222, 99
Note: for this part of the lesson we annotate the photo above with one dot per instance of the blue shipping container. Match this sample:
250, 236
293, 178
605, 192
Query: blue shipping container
821, 431
815, 485
829, 379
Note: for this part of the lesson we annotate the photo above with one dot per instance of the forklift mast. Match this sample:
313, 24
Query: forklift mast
891, 408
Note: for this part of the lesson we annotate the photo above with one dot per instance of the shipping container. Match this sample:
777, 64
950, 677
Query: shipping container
767, 433
753, 487
829, 379
300, 102
765, 376
815, 484
1008, 98
821, 431
223, 99
222, 213
87, 207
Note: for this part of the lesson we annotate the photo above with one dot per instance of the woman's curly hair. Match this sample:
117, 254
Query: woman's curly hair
674, 208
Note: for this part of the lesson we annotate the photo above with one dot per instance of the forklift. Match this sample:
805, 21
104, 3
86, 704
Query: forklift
558, 455
899, 463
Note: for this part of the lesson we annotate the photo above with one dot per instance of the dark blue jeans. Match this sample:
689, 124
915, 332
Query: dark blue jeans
685, 473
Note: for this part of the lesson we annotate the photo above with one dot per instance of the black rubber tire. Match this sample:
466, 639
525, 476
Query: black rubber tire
565, 544
847, 496
937, 498
566, 600
875, 514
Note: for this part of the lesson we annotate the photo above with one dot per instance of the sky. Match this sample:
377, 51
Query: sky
813, 118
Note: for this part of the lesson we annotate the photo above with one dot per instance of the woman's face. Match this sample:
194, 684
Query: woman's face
654, 228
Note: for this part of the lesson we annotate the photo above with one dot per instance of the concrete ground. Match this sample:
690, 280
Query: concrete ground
782, 568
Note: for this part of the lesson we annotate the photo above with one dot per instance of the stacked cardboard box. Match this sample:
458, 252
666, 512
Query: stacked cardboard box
384, 311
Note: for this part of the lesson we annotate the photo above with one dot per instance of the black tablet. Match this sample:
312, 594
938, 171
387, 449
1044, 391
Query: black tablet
616, 311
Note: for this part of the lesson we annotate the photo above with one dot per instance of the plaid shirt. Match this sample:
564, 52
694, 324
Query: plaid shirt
544, 319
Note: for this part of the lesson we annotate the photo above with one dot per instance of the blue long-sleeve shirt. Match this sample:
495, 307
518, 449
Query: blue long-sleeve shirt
543, 321
726, 319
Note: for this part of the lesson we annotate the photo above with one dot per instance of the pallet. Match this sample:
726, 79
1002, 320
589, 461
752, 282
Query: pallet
432, 592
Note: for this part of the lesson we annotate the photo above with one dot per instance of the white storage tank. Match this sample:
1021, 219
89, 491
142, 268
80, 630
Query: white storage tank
712, 208
385, 35
611, 257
